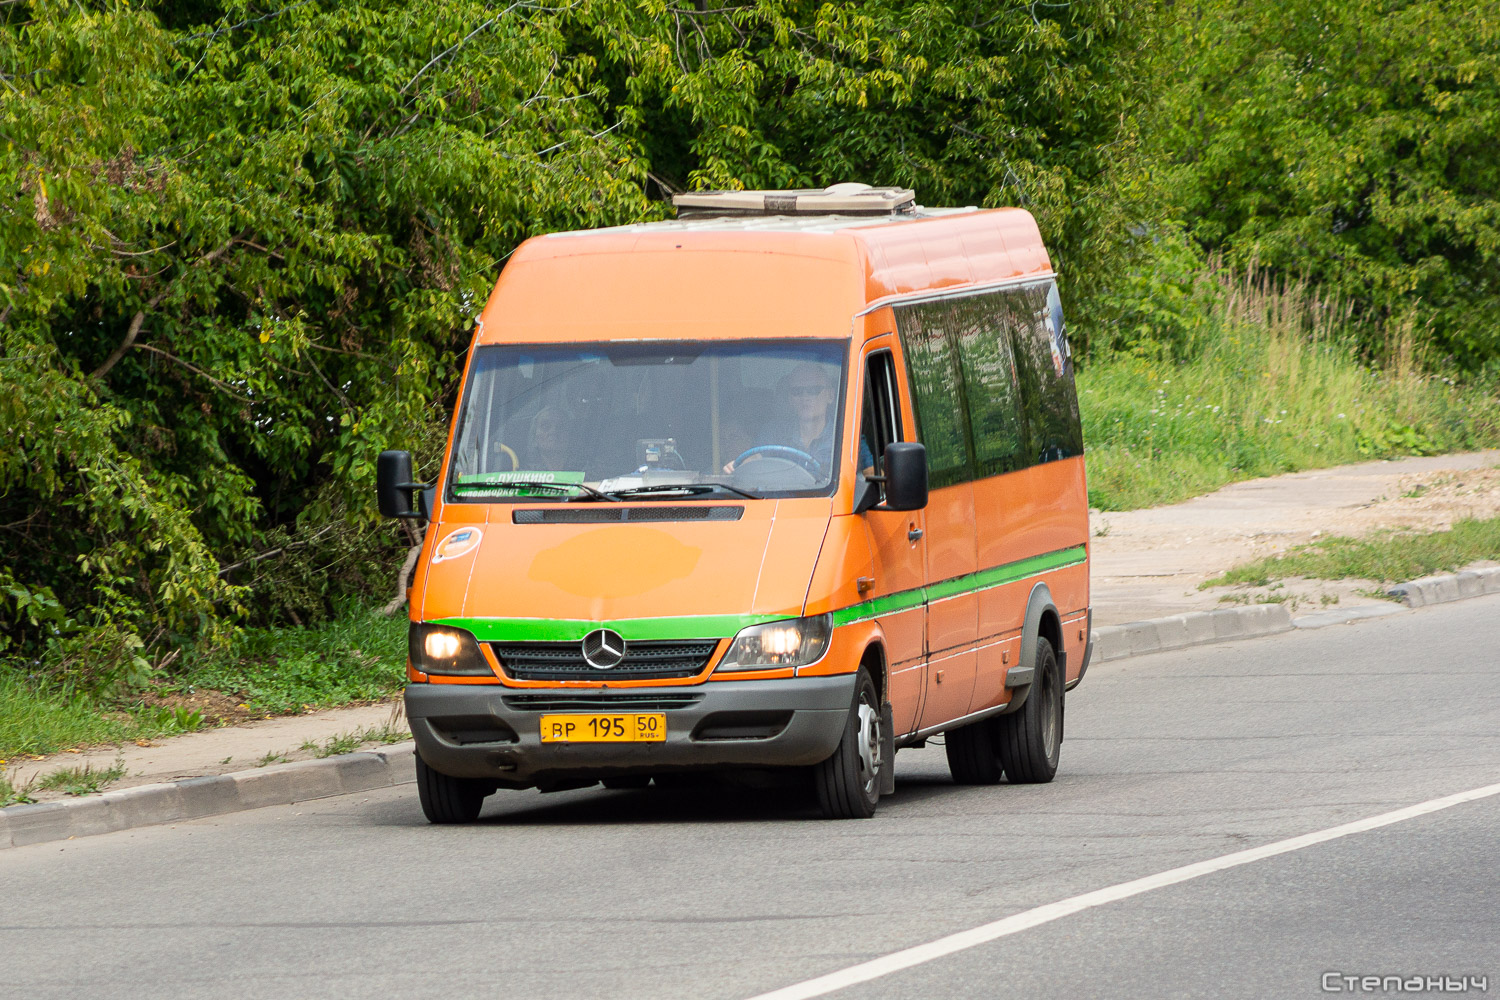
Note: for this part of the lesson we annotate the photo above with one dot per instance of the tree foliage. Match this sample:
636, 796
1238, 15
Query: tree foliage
243, 241
244, 248
969, 103
1351, 143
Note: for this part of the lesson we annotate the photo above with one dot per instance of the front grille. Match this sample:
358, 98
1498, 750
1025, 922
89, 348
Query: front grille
600, 702
606, 515
563, 661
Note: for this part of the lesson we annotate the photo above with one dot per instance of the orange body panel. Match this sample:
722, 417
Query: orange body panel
1040, 509
950, 686
993, 659
759, 564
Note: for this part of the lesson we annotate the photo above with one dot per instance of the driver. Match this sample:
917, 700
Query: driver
805, 420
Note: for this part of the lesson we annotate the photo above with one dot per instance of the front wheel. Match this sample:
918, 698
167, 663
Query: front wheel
848, 782
446, 799
1030, 741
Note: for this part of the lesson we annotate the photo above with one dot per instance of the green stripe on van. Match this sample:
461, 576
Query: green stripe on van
630, 629
968, 584
727, 626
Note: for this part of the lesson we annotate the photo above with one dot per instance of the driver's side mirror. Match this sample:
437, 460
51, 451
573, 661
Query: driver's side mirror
905, 475
394, 486
905, 479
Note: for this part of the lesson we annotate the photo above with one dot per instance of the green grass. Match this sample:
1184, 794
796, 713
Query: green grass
357, 658
360, 657
1389, 557
36, 719
11, 795
350, 742
1270, 386
84, 780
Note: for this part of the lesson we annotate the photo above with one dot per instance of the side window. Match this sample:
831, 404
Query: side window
937, 392
1048, 395
989, 371
880, 423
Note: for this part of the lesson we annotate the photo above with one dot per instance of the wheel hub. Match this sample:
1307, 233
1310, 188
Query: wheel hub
869, 747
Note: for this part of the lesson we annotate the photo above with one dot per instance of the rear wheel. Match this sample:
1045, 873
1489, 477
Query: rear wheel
974, 753
446, 799
848, 782
1030, 740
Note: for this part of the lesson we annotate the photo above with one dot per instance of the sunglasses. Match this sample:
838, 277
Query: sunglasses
807, 391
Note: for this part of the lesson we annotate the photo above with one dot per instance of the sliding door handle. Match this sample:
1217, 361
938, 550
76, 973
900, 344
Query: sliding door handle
913, 533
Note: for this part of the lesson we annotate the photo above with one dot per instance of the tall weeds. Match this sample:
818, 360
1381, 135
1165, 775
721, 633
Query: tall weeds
1268, 380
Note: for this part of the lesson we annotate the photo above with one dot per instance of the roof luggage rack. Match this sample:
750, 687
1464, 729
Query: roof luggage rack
839, 199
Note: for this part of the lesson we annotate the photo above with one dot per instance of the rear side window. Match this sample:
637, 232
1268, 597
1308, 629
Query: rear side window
992, 382
990, 389
927, 336
1048, 396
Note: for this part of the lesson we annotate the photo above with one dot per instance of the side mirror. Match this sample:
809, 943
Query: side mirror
393, 484
905, 476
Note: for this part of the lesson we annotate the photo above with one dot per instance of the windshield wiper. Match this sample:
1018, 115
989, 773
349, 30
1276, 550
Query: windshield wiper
692, 489
523, 484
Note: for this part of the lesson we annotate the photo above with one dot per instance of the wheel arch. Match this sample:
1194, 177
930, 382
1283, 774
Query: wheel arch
1042, 622
873, 658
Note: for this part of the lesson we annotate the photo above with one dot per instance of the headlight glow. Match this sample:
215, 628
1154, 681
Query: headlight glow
796, 642
440, 649
442, 645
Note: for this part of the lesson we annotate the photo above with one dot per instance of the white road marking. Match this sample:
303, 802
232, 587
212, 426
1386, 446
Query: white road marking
963, 940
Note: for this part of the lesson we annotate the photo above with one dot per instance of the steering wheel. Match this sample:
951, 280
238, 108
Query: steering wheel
510, 453
784, 452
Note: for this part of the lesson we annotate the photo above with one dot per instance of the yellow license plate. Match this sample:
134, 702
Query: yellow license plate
643, 728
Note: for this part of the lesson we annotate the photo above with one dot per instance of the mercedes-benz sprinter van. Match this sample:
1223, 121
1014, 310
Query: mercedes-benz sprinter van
792, 481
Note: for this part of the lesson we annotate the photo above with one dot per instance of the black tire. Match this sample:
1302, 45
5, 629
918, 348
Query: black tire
848, 783
1030, 740
974, 753
446, 799
627, 781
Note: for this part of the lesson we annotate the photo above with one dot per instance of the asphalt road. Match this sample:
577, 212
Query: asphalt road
712, 893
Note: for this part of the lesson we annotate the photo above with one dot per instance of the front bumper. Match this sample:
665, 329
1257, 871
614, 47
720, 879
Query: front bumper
493, 732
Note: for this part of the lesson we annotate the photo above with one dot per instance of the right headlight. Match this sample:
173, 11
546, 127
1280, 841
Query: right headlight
795, 642
441, 649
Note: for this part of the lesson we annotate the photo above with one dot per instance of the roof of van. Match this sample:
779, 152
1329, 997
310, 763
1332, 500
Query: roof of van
801, 274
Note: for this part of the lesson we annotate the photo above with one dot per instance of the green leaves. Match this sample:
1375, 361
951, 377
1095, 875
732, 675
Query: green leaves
243, 245
247, 257
1350, 143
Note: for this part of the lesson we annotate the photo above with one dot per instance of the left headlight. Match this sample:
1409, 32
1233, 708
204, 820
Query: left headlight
795, 642
439, 649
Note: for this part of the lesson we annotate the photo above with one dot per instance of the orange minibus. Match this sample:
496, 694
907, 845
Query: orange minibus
790, 482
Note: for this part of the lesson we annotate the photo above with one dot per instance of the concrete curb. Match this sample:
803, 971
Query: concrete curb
1449, 587
1116, 642
195, 798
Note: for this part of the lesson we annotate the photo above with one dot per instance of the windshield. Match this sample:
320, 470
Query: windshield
679, 420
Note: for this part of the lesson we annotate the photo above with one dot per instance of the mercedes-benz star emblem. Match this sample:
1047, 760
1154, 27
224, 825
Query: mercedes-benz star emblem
603, 649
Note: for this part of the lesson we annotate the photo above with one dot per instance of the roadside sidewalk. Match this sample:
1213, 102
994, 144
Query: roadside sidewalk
1147, 565
224, 750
